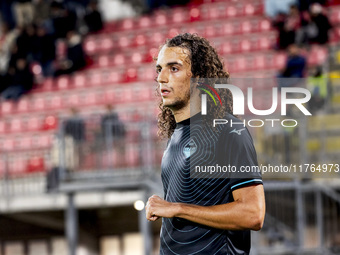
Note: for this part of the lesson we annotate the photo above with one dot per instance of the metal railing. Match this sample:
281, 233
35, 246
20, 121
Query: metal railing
301, 218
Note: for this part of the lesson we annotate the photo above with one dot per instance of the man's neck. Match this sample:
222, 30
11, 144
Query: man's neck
185, 113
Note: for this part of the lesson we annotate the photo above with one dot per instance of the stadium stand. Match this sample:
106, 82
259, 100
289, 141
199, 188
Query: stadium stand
121, 73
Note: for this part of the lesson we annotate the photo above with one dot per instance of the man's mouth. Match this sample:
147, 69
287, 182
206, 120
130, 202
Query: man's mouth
164, 92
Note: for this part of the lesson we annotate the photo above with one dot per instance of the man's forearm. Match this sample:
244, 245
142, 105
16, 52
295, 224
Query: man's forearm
232, 216
246, 212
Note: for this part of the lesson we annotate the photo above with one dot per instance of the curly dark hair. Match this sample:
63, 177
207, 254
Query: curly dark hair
205, 63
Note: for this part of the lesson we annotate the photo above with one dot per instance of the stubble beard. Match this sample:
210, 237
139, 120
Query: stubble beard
180, 103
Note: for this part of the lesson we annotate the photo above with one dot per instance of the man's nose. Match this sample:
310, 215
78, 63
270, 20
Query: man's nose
163, 76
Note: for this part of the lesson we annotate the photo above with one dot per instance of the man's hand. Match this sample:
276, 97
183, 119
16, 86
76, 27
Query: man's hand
157, 207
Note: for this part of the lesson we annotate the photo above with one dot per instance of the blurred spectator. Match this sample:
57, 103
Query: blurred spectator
317, 84
47, 53
294, 68
26, 42
113, 134
74, 135
63, 20
322, 23
6, 13
75, 58
7, 40
75, 126
24, 12
287, 27
42, 13
4, 81
93, 18
304, 5
21, 80
112, 125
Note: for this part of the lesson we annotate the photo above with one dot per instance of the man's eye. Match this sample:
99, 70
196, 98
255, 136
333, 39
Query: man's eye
158, 70
174, 69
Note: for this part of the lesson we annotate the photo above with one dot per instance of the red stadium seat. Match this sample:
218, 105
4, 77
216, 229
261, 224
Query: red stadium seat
259, 62
127, 24
265, 43
44, 141
140, 40
106, 44
161, 19
226, 48
144, 22
240, 64
195, 14
38, 104
90, 98
136, 58
249, 9
229, 28
3, 127
179, 17
16, 125
63, 82
119, 59
104, 61
280, 60
210, 31
35, 164
214, 12
230, 11
7, 107
34, 123
55, 102
264, 25
147, 74
173, 32
25, 143
94, 79
151, 54
246, 45
142, 91
246, 27
335, 16
17, 166
124, 42
115, 77
73, 100
48, 84
50, 123
90, 45
131, 75
8, 144
79, 80
23, 105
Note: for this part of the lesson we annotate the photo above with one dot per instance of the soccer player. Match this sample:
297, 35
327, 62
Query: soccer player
202, 215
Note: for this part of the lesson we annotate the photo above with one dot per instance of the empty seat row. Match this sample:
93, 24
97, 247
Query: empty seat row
23, 142
126, 76
30, 123
110, 42
234, 45
74, 98
211, 11
22, 164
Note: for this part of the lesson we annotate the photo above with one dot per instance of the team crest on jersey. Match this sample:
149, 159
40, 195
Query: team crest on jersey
190, 148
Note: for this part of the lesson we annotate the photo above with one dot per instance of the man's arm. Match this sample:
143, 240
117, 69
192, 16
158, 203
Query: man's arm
245, 212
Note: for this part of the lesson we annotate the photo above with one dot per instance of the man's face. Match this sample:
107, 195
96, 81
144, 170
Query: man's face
174, 73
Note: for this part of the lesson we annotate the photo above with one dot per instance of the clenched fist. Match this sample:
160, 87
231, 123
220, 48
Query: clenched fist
157, 207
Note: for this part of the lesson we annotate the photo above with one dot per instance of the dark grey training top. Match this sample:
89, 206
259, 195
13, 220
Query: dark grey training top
186, 179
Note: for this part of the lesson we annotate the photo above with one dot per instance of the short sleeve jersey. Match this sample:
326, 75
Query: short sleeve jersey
191, 148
